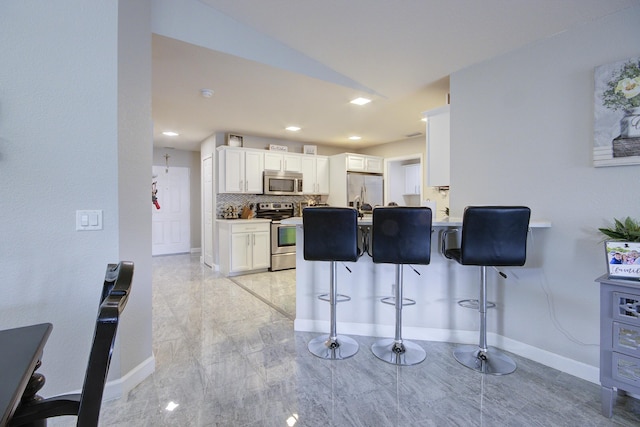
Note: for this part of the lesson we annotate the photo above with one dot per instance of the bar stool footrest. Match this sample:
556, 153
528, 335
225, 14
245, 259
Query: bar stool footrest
339, 298
474, 303
392, 301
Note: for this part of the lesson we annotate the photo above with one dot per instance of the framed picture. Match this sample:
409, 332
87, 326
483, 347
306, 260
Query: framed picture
616, 136
234, 140
310, 149
623, 259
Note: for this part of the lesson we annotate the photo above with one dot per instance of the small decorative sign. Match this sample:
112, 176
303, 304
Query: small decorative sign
234, 140
273, 147
310, 149
623, 259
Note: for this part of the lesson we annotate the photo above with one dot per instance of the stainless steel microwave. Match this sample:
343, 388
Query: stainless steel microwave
282, 183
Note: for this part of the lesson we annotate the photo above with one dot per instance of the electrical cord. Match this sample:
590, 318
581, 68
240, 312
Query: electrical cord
554, 319
550, 305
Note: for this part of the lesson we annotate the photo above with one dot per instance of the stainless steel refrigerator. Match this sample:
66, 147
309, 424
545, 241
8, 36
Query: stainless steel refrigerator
364, 188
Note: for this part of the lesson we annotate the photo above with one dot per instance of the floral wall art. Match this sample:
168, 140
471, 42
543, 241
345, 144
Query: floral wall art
617, 114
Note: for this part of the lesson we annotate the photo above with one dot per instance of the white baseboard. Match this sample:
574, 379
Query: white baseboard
195, 250
117, 388
552, 360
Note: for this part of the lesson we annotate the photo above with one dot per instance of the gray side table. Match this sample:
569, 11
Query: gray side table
619, 339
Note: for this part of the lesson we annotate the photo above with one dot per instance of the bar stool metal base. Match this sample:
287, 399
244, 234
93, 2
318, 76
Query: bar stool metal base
405, 354
342, 347
492, 361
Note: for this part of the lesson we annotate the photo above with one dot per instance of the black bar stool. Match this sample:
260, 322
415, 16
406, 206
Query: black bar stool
400, 235
492, 236
330, 234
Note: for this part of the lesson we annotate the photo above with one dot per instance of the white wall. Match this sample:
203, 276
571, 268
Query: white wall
522, 133
135, 142
67, 143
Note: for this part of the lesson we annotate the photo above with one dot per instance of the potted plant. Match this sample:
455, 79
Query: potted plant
623, 248
627, 230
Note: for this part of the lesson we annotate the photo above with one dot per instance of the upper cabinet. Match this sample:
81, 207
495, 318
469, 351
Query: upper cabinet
412, 179
438, 134
363, 163
274, 161
315, 175
240, 170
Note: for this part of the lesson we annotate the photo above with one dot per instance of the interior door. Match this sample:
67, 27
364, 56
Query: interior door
171, 223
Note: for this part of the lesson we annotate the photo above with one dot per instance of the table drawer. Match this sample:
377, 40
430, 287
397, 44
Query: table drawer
626, 338
626, 307
626, 369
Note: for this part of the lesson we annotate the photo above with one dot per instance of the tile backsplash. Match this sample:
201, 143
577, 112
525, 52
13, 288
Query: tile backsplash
241, 200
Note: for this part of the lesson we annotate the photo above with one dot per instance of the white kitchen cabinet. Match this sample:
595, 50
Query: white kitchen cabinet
245, 246
362, 163
412, 178
438, 134
315, 175
281, 162
240, 170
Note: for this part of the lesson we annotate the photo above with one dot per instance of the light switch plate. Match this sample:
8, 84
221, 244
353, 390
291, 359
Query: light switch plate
88, 220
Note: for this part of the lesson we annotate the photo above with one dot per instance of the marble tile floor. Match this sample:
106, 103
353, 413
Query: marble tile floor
227, 354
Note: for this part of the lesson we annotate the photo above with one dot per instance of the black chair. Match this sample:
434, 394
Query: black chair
331, 234
400, 235
86, 406
492, 236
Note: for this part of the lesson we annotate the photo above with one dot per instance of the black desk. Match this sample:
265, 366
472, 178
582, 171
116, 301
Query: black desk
20, 350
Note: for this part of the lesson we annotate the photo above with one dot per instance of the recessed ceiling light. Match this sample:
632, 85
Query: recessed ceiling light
293, 128
206, 93
355, 138
169, 133
360, 101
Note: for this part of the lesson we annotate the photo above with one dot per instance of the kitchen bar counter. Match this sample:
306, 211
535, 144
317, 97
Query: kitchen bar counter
442, 222
436, 290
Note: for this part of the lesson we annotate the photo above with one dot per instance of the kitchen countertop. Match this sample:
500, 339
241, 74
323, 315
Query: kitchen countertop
243, 220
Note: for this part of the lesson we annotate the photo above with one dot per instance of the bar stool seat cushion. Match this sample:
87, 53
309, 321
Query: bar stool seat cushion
330, 234
493, 236
401, 235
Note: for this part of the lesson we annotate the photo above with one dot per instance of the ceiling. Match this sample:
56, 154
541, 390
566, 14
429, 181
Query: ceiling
399, 54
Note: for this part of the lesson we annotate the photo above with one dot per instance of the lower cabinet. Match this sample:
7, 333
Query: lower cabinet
245, 246
619, 339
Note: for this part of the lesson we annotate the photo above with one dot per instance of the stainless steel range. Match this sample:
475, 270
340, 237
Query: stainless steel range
283, 237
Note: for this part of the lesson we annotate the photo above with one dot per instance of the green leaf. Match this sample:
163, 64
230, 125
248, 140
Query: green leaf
626, 229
